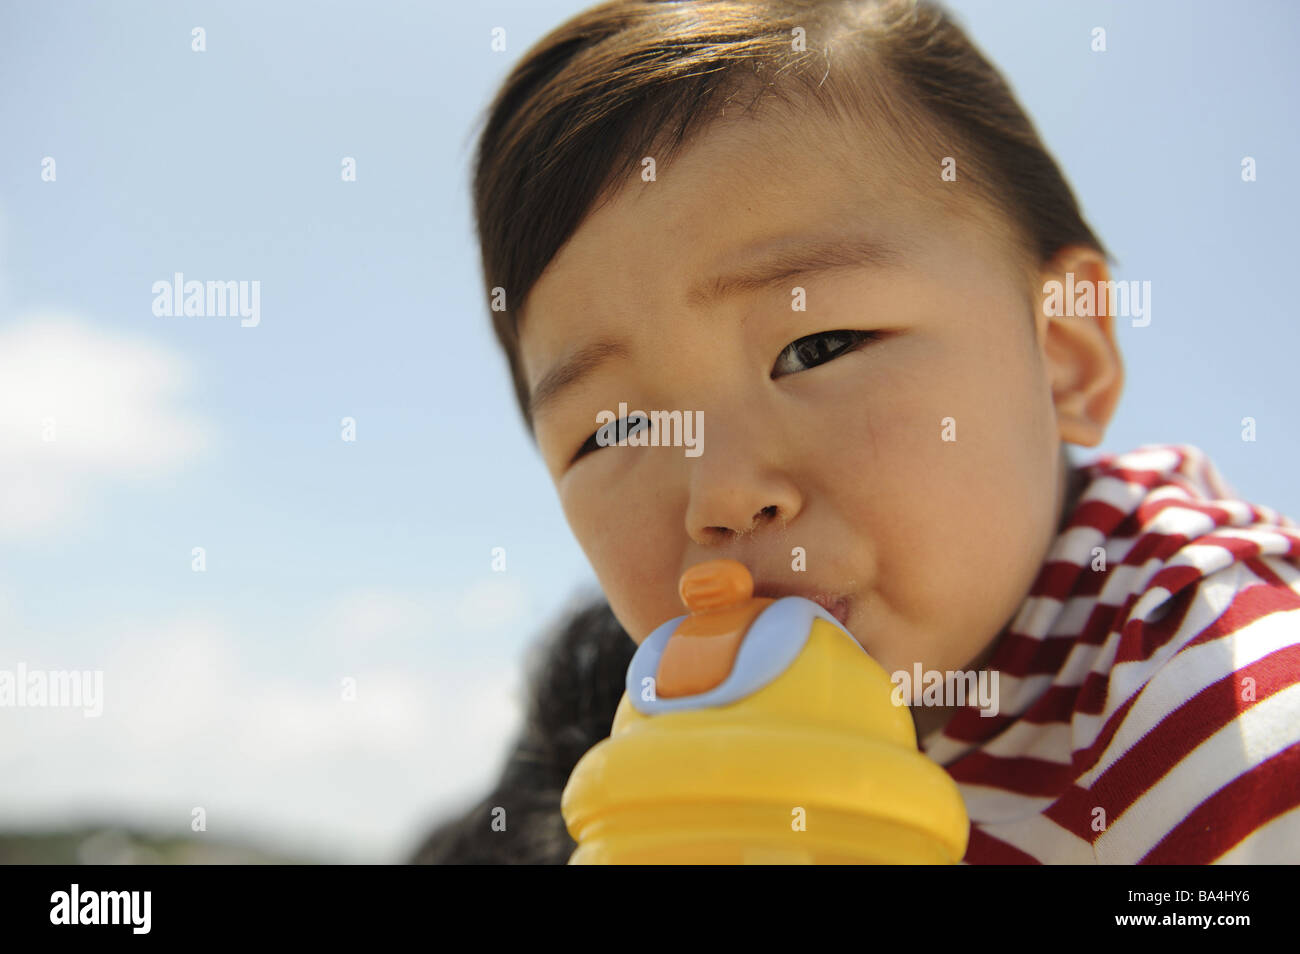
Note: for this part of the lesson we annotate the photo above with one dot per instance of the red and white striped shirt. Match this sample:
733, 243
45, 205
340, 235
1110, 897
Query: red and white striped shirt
1149, 704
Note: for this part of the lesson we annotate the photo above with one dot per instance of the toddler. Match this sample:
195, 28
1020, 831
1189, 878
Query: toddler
829, 233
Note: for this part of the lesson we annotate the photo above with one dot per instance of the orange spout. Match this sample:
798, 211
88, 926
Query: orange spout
702, 650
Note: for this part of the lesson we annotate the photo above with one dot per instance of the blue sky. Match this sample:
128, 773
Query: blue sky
370, 559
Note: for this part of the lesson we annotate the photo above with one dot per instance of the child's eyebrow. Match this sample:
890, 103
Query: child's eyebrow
766, 264
573, 369
775, 261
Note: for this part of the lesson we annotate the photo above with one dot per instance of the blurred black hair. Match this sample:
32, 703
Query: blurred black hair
575, 678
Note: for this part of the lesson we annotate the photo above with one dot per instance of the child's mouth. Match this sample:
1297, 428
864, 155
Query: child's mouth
837, 606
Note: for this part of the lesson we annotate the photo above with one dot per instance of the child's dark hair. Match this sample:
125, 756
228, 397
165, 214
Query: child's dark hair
631, 78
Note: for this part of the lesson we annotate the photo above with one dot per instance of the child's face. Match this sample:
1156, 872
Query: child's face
934, 543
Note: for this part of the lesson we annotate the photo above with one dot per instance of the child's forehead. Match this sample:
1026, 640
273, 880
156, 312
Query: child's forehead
742, 185
739, 190
804, 161
742, 194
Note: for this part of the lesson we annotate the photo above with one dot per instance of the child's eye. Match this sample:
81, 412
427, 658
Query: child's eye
800, 355
812, 350
635, 422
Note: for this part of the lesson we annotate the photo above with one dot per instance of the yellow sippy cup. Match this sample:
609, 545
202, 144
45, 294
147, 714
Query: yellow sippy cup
758, 731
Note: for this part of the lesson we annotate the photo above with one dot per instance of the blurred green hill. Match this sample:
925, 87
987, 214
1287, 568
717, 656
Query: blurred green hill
117, 845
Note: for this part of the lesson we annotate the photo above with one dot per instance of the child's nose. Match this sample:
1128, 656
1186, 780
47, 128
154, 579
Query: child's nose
734, 501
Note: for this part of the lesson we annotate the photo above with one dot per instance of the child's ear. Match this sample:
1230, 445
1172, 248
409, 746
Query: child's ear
1077, 338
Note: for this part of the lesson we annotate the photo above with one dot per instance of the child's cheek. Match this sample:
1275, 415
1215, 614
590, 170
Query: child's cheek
632, 541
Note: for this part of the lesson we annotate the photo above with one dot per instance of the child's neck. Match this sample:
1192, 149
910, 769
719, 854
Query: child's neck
929, 718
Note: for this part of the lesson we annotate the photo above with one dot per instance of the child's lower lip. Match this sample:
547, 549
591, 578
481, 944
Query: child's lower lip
838, 608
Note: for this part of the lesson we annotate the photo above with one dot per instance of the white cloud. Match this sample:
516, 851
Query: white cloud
78, 406
493, 603
370, 617
379, 620
197, 713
